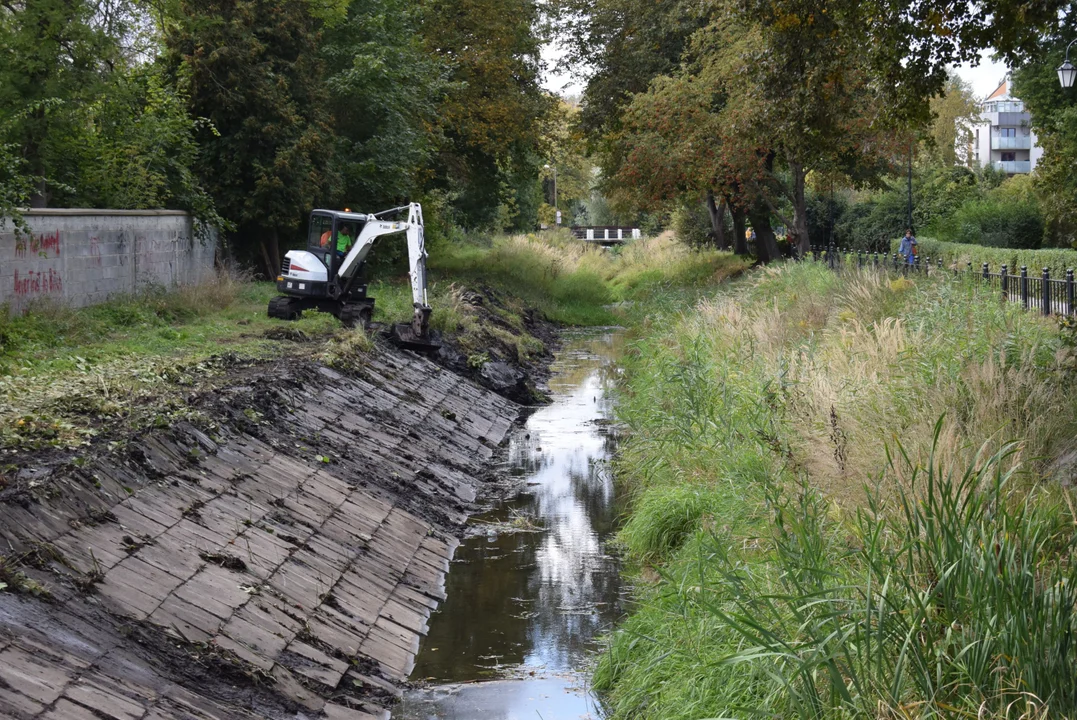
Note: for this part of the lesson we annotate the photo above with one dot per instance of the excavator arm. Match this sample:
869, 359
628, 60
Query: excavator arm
413, 228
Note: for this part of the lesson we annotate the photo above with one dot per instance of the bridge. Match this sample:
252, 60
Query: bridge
605, 234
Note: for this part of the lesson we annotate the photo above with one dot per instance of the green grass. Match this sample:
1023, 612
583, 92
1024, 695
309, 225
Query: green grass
813, 540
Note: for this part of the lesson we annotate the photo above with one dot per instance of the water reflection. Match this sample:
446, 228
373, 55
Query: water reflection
529, 604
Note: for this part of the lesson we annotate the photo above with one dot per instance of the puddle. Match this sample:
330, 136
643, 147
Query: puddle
530, 591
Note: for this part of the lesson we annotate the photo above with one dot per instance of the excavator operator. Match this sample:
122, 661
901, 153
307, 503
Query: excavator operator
344, 240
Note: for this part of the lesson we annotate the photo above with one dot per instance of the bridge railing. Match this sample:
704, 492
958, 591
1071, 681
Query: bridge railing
612, 234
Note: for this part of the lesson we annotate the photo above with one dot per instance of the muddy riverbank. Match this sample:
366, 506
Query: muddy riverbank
278, 560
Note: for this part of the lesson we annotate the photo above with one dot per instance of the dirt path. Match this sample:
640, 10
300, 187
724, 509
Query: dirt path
281, 563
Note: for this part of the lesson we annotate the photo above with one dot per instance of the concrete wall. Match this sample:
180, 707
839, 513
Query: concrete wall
82, 257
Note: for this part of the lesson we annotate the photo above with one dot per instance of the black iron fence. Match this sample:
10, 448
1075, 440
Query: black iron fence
1048, 295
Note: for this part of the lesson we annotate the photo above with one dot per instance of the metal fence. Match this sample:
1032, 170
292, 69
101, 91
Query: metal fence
1048, 295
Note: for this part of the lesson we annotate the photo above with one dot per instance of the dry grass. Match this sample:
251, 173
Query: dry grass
868, 368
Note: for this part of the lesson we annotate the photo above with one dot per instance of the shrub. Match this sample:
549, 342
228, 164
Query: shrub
995, 223
692, 225
959, 255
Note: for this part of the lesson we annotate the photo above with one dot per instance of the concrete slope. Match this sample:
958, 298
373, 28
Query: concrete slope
279, 561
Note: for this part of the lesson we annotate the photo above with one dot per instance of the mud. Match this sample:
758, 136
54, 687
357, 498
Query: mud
498, 325
277, 556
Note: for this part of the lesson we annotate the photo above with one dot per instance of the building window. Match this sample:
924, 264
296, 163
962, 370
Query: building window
1009, 157
1008, 132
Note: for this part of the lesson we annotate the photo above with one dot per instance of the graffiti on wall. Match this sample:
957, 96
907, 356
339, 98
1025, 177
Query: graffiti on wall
39, 283
95, 251
38, 244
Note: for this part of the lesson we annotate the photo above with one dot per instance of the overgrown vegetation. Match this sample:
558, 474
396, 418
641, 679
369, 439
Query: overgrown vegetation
837, 506
65, 373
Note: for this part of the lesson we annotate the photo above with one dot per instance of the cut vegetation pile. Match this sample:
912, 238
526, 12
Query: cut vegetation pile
851, 499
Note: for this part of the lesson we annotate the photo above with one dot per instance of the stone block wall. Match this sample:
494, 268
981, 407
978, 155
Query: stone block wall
82, 257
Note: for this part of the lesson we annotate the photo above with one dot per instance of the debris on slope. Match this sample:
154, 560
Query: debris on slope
275, 552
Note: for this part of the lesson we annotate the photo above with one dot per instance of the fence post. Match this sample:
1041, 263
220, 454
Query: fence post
1046, 291
895, 261
1069, 292
876, 260
927, 265
987, 272
1004, 278
1024, 286
859, 258
940, 264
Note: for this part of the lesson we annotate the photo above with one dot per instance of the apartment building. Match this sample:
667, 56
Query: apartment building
1003, 136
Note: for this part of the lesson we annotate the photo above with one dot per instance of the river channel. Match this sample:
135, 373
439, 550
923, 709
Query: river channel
536, 583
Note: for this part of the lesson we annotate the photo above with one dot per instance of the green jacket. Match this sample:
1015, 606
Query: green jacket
344, 241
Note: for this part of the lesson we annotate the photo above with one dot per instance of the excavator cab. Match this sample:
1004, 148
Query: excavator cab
326, 275
331, 235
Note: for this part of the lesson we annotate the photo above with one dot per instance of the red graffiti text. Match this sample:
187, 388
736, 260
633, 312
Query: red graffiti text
38, 283
39, 245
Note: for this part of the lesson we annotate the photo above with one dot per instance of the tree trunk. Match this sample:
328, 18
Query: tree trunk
270, 253
766, 247
271, 269
800, 212
40, 197
740, 241
274, 251
717, 213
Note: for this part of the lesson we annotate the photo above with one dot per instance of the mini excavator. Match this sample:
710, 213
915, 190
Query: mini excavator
327, 275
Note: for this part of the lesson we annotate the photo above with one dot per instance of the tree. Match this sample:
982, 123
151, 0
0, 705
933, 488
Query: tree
383, 91
256, 74
622, 45
754, 109
1054, 117
53, 59
490, 121
568, 165
955, 111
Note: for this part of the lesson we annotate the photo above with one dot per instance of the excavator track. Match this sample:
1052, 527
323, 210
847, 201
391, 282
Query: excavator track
285, 308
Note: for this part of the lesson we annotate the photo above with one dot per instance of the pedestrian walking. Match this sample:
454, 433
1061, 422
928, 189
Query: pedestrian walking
908, 247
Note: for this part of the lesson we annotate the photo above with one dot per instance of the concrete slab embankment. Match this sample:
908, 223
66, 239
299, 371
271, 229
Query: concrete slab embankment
280, 564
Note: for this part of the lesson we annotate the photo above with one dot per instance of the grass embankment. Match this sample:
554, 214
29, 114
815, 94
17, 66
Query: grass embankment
812, 540
65, 374
959, 255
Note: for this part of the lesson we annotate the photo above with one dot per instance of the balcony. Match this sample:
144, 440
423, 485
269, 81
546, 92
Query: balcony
1013, 167
1021, 142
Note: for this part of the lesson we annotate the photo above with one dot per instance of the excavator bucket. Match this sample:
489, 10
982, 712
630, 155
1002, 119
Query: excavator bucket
403, 335
415, 335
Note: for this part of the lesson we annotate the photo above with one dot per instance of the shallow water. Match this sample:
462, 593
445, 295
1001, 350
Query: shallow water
514, 636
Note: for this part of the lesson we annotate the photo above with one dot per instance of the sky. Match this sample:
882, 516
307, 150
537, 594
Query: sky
984, 78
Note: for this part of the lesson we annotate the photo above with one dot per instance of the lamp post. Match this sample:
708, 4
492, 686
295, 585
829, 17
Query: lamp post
910, 186
1066, 71
554, 169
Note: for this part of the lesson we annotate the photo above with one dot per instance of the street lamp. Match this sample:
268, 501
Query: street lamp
556, 211
1066, 71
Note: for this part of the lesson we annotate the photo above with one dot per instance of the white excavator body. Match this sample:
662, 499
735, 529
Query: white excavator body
326, 276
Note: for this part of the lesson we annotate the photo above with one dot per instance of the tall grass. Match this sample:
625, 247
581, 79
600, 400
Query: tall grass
571, 282
50, 324
802, 569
